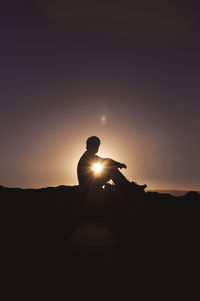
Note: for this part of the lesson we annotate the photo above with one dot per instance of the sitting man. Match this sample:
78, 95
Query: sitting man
94, 171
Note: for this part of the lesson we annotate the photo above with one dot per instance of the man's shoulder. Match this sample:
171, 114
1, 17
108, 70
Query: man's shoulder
99, 158
87, 156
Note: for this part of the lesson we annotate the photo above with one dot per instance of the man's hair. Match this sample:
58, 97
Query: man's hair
93, 141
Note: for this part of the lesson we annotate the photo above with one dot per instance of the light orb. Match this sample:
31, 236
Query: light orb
103, 119
97, 168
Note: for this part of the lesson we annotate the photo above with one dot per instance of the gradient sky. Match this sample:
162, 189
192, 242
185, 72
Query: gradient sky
126, 71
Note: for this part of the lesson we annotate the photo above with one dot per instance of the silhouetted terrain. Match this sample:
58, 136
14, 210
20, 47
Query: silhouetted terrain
106, 227
172, 191
70, 197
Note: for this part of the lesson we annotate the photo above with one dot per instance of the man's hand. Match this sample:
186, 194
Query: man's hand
122, 166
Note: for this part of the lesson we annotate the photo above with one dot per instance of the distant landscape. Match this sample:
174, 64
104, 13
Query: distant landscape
172, 191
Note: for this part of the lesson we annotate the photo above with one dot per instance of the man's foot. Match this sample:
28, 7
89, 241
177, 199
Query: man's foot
109, 187
138, 187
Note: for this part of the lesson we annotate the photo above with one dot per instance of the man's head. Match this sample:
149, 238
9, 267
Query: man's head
92, 144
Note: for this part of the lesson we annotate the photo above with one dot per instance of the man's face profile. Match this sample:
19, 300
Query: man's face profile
93, 148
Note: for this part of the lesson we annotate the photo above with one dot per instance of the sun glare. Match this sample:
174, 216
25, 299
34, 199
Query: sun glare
97, 168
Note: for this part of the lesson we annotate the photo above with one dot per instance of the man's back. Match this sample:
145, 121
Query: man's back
85, 171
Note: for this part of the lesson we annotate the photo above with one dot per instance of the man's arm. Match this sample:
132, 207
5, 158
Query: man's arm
113, 163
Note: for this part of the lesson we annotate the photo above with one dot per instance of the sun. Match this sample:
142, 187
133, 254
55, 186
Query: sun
97, 168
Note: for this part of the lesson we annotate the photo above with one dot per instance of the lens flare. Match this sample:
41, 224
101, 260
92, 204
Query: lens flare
97, 168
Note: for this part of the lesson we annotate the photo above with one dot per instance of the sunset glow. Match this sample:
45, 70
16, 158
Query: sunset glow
97, 168
127, 74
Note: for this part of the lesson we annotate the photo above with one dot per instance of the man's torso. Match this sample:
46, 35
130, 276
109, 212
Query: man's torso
85, 168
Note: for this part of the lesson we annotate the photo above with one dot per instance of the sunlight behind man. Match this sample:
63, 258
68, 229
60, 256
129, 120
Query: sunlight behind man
97, 168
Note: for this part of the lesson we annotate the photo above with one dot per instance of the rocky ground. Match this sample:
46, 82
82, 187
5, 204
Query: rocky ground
105, 228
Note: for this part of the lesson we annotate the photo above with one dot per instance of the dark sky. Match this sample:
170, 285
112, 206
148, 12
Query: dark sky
126, 71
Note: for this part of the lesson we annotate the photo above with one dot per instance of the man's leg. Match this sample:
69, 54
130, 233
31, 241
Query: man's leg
117, 177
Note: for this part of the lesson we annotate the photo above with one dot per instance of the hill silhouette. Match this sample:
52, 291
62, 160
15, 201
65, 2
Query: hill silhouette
106, 227
70, 197
172, 191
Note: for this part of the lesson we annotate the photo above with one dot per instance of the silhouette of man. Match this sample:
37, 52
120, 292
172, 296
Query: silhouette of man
89, 178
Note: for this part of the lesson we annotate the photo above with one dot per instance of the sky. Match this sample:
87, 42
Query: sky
125, 71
